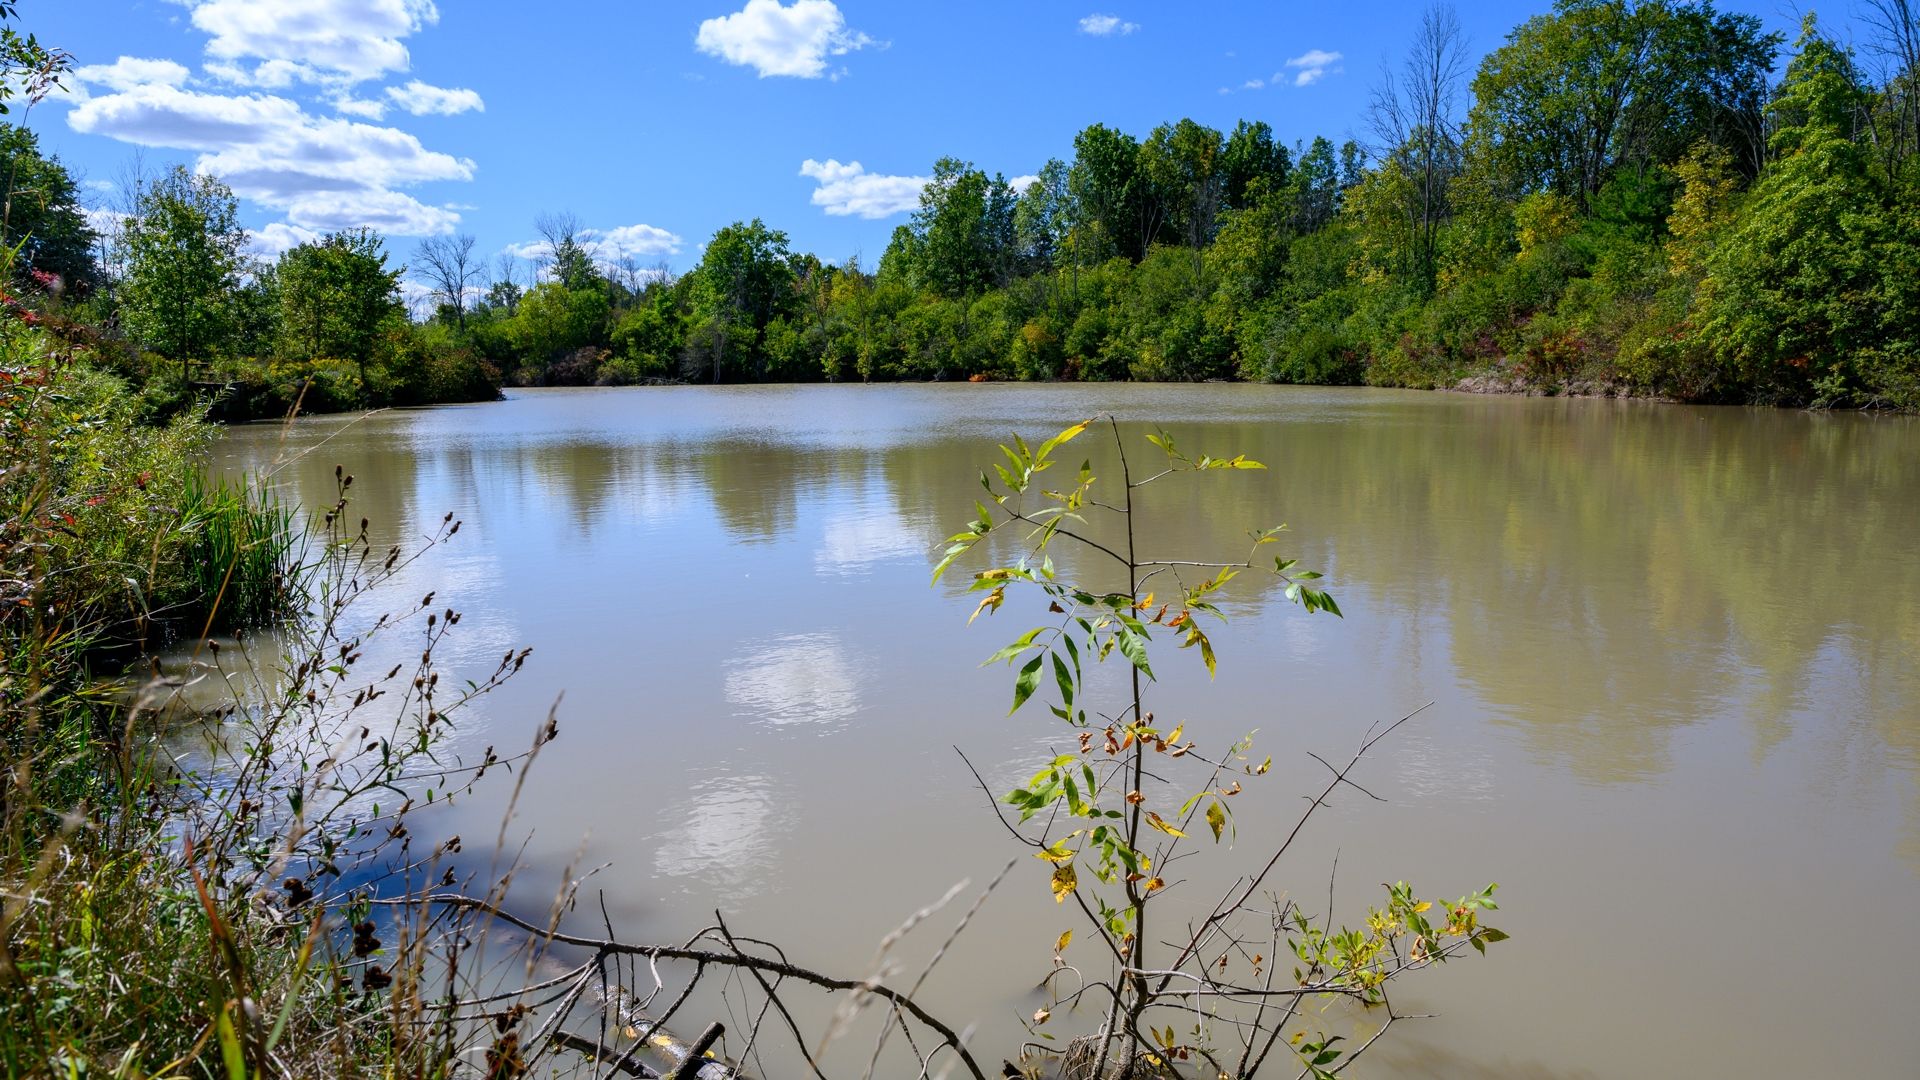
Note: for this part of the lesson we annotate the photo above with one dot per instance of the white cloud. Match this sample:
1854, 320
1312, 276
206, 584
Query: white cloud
1022, 183
1253, 84
609, 246
366, 109
267, 75
420, 99
313, 40
392, 212
849, 190
278, 238
129, 72
793, 40
104, 222
325, 173
1106, 25
1312, 66
638, 241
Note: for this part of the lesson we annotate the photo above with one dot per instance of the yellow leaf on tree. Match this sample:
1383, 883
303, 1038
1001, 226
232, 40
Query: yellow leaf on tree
1216, 819
1154, 820
1059, 854
1064, 882
1155, 885
1066, 938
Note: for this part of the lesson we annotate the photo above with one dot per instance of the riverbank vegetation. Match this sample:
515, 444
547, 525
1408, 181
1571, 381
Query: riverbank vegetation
1624, 198
1650, 198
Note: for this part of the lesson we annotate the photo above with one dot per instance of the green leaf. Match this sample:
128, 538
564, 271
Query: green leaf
1134, 647
230, 1052
1026, 683
1020, 644
1063, 679
1062, 438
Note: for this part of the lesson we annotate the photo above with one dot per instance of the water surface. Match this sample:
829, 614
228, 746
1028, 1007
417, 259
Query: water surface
1670, 650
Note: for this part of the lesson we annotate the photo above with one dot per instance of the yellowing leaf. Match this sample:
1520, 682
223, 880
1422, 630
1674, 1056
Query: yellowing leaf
1155, 885
1040, 1016
1059, 854
1064, 882
989, 602
1175, 737
1216, 819
1066, 938
1154, 820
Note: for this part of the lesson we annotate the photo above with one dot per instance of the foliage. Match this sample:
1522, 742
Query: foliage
42, 221
183, 263
1107, 817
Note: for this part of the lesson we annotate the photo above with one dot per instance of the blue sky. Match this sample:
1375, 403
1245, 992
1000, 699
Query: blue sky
655, 124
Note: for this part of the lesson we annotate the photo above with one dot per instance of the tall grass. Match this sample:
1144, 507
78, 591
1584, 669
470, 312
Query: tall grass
243, 564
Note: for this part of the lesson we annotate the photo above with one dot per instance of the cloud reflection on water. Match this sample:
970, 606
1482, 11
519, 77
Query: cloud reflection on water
799, 679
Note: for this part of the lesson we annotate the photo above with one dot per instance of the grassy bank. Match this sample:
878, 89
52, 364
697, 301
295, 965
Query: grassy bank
191, 916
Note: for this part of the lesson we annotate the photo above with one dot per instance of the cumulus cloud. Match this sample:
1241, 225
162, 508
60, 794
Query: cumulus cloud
366, 109
277, 239
1312, 66
850, 190
312, 40
793, 40
1022, 183
420, 99
1106, 26
257, 114
131, 71
325, 173
608, 247
105, 222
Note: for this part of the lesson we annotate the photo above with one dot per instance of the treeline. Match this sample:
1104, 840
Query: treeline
166, 296
1624, 199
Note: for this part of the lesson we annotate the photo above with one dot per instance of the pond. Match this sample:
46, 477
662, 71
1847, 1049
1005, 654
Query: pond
1671, 655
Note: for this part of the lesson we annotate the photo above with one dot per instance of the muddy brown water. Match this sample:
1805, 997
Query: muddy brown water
1671, 653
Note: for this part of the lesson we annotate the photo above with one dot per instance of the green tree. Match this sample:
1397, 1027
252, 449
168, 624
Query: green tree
744, 281
335, 296
183, 263
1813, 274
42, 213
1184, 184
1601, 84
965, 230
1251, 156
1104, 185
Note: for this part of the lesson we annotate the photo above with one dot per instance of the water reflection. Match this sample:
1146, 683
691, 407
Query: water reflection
1671, 652
724, 833
803, 679
866, 527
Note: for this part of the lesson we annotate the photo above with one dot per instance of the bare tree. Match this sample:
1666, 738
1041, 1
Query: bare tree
557, 228
632, 274
1413, 120
506, 290
450, 265
1896, 41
